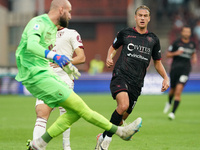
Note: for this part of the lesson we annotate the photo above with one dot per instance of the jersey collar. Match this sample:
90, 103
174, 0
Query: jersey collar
138, 32
61, 28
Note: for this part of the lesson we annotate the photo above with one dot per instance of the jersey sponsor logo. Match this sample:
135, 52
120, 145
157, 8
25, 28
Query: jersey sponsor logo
131, 36
48, 37
141, 49
137, 56
79, 38
36, 27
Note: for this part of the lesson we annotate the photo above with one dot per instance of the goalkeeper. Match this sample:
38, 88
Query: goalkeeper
42, 82
67, 42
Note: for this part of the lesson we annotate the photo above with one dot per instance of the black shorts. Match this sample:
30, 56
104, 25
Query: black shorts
178, 76
118, 85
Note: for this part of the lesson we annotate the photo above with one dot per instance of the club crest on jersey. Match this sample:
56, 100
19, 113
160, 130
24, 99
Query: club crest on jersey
60, 33
79, 39
36, 27
150, 39
191, 45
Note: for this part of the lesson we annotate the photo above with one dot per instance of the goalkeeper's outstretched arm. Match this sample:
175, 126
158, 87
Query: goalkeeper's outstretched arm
34, 47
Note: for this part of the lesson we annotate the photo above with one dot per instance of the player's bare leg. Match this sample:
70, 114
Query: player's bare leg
122, 99
177, 99
122, 102
42, 111
169, 103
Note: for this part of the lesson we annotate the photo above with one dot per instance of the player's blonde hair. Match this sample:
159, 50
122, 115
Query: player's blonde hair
143, 7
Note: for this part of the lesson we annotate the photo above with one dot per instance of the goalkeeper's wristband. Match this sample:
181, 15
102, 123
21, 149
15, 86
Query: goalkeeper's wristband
49, 54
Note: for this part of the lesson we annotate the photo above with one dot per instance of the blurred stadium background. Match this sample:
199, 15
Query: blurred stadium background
98, 21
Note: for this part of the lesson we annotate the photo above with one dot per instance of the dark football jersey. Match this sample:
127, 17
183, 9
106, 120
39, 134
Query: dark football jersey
136, 54
182, 61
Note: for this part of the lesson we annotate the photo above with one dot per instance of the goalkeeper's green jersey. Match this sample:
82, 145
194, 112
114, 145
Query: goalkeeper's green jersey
32, 61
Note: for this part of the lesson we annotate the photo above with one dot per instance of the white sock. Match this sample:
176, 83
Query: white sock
66, 134
40, 127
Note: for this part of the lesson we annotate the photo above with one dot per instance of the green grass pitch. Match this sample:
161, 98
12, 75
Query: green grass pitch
17, 119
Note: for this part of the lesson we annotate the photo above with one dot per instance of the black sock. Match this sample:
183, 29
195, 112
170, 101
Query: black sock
170, 98
176, 103
115, 119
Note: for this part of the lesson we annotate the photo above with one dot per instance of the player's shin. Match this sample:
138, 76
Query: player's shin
62, 123
75, 103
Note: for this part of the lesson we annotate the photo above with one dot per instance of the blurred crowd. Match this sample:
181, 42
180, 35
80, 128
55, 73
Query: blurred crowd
180, 13
182, 16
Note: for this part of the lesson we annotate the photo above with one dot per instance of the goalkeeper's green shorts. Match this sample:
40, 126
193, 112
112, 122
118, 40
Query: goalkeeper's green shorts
48, 87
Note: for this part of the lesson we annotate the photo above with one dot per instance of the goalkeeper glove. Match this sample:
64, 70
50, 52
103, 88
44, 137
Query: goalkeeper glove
61, 60
72, 71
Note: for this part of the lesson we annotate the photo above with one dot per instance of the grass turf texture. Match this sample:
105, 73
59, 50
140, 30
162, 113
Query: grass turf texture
17, 119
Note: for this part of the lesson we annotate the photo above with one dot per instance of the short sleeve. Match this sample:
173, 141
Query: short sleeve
173, 47
35, 27
156, 52
76, 40
118, 40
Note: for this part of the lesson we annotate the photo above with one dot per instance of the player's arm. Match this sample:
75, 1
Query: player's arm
80, 56
113, 49
77, 45
194, 58
110, 56
35, 29
172, 53
34, 47
161, 70
156, 55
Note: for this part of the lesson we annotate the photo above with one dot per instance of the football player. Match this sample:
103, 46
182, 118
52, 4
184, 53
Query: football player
43, 83
183, 52
138, 46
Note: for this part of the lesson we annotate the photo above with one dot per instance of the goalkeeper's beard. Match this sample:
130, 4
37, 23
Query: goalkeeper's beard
63, 22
